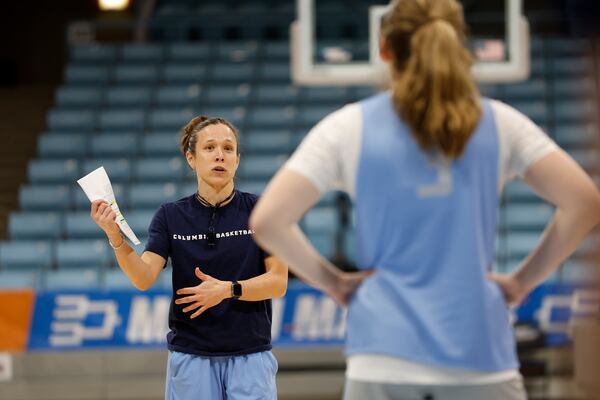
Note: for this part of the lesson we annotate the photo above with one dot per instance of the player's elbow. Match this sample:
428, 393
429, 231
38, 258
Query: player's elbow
589, 206
260, 225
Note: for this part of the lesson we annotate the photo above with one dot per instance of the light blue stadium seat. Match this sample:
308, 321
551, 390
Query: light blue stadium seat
140, 74
350, 247
62, 145
67, 96
19, 279
80, 225
491, 91
115, 279
531, 89
81, 202
232, 73
93, 54
568, 46
139, 221
362, 92
114, 145
274, 72
211, 7
274, 117
72, 279
44, 197
277, 51
527, 217
539, 67
184, 73
189, 51
34, 225
160, 144
237, 51
187, 95
536, 110
311, 115
321, 220
576, 135
360, 50
159, 169
118, 169
171, 118
83, 253
71, 120
330, 95
579, 272
228, 95
266, 142
575, 111
520, 244
260, 166
590, 247
329, 199
130, 96
517, 190
282, 94
235, 115
575, 87
53, 171
26, 255
88, 74
252, 186
589, 159
122, 119
572, 66
142, 52
187, 188
151, 195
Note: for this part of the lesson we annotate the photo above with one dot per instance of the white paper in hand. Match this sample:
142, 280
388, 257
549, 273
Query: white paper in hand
96, 186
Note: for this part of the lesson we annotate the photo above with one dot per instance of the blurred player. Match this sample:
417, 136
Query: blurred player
425, 164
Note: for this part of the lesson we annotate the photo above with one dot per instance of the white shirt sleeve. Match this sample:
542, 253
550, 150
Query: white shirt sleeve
328, 155
521, 142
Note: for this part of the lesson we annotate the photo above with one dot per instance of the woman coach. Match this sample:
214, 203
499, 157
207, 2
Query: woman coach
220, 323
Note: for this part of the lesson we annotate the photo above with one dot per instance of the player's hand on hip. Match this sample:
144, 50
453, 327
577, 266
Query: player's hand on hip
104, 216
207, 294
348, 284
514, 292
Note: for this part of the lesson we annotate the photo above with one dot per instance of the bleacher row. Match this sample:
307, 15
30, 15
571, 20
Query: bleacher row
121, 106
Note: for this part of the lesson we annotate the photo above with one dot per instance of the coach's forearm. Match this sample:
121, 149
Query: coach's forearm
266, 286
138, 272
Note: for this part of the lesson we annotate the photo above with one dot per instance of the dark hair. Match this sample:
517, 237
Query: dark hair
433, 89
189, 133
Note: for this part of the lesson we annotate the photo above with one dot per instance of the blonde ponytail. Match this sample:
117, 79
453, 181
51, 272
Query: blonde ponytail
432, 87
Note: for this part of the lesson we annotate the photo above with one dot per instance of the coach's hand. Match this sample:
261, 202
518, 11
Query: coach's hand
207, 294
348, 283
104, 216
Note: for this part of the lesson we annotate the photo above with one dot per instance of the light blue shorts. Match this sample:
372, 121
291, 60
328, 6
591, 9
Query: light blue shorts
247, 377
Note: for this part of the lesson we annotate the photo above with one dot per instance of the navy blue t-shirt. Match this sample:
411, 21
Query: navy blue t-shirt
233, 327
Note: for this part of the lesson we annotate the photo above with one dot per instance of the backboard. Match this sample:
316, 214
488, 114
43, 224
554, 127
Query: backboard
333, 46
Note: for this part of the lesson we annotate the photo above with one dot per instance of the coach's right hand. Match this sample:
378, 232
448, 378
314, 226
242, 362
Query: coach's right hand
104, 216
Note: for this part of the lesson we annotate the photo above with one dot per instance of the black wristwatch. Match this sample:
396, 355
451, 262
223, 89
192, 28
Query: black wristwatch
236, 290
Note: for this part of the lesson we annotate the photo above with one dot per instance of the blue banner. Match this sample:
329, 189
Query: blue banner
305, 317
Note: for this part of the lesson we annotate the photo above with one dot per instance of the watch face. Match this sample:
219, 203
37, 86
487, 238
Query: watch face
237, 289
